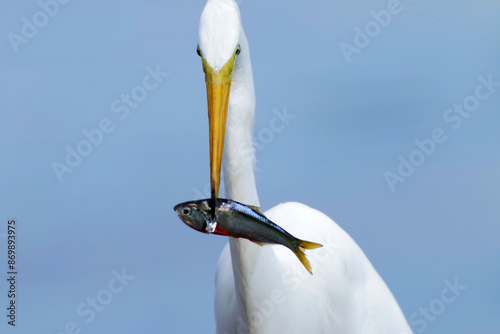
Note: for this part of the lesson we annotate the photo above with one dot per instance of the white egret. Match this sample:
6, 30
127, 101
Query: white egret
265, 289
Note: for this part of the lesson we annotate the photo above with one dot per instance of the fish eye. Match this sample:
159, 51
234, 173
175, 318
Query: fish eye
238, 50
198, 51
186, 211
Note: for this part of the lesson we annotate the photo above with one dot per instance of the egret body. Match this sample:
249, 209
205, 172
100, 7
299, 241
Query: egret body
265, 289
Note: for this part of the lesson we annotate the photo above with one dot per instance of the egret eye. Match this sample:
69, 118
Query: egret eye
198, 51
186, 211
238, 50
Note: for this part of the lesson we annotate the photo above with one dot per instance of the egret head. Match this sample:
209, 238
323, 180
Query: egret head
220, 26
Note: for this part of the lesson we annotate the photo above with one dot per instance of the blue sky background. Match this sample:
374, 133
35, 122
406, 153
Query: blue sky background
352, 122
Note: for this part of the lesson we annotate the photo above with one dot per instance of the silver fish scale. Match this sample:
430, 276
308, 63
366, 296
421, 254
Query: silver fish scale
249, 212
245, 210
227, 206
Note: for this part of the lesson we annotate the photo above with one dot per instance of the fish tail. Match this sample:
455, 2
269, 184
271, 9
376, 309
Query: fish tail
309, 245
300, 253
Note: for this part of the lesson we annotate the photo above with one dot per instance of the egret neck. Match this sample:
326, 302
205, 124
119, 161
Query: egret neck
239, 181
226, 62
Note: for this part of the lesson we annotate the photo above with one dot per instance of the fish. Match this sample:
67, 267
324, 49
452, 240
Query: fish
238, 220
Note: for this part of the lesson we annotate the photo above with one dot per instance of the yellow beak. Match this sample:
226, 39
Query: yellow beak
218, 87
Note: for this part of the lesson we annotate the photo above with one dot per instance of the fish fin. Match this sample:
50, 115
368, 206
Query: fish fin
309, 245
300, 253
256, 209
257, 243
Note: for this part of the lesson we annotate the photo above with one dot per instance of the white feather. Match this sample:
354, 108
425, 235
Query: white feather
219, 31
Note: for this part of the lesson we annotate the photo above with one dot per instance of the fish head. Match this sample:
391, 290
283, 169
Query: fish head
194, 214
